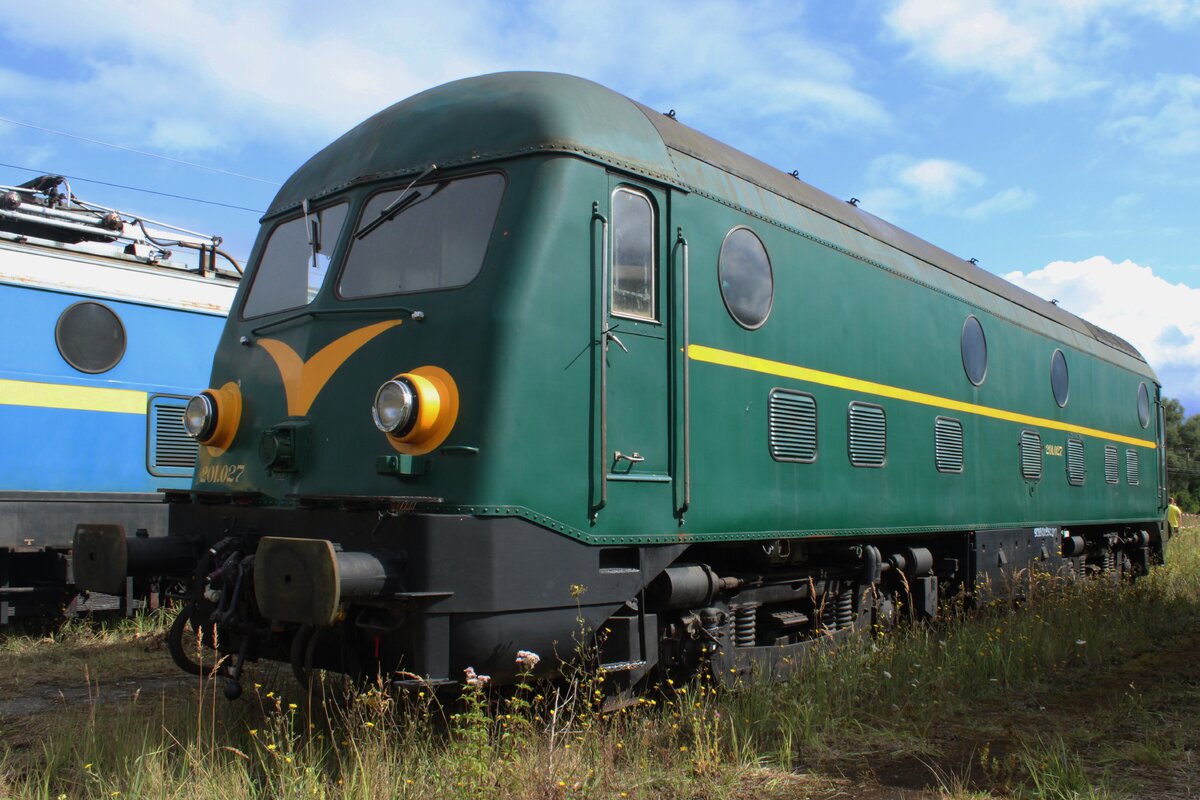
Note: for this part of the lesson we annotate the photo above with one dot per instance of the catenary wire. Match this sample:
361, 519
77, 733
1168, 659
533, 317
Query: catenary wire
136, 189
139, 152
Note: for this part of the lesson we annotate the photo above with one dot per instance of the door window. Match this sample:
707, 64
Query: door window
633, 290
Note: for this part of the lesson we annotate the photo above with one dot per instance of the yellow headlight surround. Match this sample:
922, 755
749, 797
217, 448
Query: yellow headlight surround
437, 411
228, 404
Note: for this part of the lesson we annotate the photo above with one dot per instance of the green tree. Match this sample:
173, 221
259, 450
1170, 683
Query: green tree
1183, 455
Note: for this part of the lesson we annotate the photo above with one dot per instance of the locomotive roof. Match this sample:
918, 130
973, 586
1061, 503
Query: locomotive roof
482, 119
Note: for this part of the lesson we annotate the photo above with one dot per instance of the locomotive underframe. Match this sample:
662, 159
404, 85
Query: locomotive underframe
36, 580
421, 597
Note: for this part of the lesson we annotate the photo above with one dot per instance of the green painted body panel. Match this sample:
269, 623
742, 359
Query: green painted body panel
522, 342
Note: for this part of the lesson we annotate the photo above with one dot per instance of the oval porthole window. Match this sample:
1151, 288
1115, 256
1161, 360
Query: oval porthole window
1143, 405
1060, 381
90, 337
744, 274
974, 350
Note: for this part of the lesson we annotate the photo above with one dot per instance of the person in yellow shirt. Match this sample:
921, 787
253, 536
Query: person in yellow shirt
1174, 517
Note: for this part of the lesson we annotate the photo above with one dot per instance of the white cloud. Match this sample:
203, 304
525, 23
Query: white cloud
192, 76
1005, 201
238, 71
1162, 116
1122, 205
899, 182
934, 186
1036, 50
1160, 319
938, 179
709, 59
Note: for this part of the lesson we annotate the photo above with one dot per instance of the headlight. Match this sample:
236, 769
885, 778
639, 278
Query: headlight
417, 409
200, 417
212, 417
395, 408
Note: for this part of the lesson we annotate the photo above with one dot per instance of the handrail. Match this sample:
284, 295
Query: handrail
330, 312
681, 240
601, 327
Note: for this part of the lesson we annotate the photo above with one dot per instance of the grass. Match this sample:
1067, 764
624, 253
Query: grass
992, 703
64, 656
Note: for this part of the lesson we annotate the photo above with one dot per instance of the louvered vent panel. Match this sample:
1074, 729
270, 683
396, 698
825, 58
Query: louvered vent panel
172, 446
948, 444
1132, 472
1112, 471
868, 435
1031, 456
792, 420
1076, 469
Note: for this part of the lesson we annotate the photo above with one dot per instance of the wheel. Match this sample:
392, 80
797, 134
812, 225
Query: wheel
191, 635
299, 654
332, 665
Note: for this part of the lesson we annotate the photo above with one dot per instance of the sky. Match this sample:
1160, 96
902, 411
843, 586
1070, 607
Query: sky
1057, 143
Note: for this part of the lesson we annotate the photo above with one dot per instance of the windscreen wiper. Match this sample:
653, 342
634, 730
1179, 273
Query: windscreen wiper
393, 209
312, 226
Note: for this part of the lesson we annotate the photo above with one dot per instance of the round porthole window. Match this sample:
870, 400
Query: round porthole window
90, 337
1060, 381
974, 350
744, 273
1143, 405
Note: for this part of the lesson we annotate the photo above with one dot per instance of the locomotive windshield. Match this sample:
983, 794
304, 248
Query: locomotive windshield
294, 263
438, 242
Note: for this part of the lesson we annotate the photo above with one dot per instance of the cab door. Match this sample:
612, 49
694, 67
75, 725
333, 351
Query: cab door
634, 448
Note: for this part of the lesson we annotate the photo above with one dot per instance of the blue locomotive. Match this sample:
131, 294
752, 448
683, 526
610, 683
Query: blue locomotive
109, 333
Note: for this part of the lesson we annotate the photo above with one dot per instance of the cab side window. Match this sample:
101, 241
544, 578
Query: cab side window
633, 290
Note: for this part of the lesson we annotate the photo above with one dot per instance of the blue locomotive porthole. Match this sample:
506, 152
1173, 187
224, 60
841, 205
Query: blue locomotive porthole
974, 350
745, 277
90, 337
1143, 405
1060, 381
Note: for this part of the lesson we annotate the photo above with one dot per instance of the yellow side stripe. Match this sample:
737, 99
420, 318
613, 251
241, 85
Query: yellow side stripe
724, 358
80, 398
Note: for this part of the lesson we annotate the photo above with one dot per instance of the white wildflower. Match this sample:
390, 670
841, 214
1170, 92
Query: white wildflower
475, 679
527, 659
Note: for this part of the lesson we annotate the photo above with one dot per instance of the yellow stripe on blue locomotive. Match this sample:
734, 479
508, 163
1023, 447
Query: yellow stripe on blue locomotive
81, 398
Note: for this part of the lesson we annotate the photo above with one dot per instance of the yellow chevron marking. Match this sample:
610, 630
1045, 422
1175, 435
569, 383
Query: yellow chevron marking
79, 398
724, 358
304, 380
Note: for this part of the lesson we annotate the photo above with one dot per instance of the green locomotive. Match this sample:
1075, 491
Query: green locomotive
519, 350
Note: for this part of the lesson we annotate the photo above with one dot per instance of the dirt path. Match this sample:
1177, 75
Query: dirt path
43, 699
